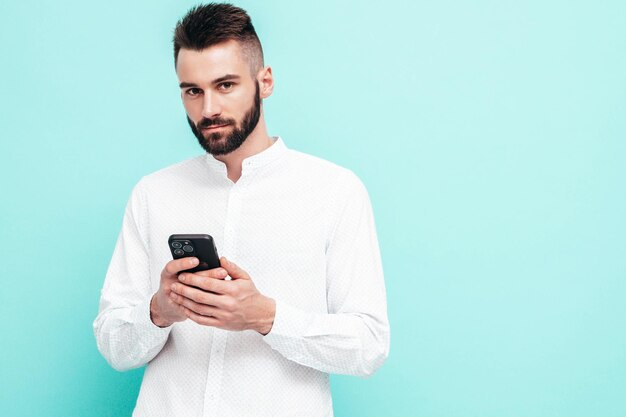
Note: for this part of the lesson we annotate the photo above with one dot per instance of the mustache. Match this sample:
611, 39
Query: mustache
217, 121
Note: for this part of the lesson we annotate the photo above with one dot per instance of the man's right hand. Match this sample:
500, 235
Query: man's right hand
163, 311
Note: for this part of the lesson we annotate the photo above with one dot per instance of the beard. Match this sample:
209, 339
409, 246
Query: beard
222, 143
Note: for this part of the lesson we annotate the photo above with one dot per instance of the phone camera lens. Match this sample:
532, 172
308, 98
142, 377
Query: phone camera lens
178, 252
177, 245
188, 248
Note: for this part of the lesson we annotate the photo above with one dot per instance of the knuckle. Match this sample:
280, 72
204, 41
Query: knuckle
174, 266
190, 279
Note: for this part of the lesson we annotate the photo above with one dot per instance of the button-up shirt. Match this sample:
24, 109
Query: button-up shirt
303, 229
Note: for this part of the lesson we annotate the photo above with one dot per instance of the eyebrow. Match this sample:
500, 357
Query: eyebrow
223, 78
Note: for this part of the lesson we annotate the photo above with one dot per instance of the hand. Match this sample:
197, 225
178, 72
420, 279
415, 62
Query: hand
163, 311
211, 300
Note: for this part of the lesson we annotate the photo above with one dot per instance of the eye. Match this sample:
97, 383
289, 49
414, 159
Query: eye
226, 86
192, 92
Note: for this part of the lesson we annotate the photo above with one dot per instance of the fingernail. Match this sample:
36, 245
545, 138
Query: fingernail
192, 261
182, 277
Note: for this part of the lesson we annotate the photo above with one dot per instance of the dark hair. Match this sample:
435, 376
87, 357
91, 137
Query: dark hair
207, 25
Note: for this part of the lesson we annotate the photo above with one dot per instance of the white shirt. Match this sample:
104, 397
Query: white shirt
303, 229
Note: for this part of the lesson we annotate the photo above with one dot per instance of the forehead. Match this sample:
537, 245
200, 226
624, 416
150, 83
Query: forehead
210, 63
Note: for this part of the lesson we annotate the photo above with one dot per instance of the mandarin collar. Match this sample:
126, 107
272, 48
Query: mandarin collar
275, 151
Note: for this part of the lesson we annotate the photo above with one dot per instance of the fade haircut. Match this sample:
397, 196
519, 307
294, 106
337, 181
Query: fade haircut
210, 24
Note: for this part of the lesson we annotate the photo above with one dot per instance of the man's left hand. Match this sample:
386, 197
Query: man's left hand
210, 300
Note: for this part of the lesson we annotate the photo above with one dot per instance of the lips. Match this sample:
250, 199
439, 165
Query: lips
213, 127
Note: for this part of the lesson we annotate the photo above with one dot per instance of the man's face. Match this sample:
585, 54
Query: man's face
220, 96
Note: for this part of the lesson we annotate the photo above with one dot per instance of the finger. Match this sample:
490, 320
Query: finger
175, 266
203, 320
197, 295
201, 309
217, 286
218, 273
233, 270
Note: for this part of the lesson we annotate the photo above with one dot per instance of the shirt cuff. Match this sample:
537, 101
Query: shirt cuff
150, 332
290, 326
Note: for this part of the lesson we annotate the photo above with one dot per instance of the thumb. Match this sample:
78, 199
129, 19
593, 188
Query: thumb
233, 270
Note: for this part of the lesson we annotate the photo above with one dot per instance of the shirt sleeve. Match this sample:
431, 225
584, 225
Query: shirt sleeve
353, 338
124, 331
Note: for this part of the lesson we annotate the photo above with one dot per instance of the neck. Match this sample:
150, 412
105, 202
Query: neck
256, 142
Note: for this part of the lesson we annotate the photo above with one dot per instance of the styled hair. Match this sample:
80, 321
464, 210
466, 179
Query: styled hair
210, 24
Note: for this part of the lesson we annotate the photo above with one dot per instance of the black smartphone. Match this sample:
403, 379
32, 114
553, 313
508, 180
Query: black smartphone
199, 246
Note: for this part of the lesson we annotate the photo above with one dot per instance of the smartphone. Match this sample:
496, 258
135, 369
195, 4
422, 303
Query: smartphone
199, 246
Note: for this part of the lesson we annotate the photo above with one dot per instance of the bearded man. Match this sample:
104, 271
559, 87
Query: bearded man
300, 292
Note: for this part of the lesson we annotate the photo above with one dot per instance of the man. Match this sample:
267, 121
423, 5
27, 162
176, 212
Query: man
306, 295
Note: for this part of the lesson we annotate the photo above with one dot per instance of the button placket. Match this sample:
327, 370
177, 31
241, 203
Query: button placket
220, 337
214, 373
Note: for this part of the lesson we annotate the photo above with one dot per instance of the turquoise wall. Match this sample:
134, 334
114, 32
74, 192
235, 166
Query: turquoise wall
490, 134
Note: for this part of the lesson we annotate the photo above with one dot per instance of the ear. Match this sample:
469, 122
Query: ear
266, 82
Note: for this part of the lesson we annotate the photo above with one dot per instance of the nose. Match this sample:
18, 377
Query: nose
211, 106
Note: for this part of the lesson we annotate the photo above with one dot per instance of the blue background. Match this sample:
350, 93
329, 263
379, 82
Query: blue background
491, 136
